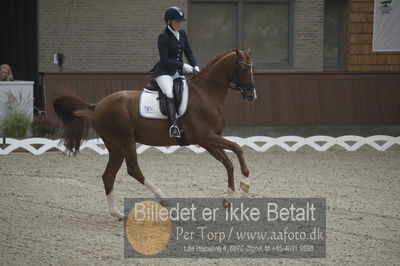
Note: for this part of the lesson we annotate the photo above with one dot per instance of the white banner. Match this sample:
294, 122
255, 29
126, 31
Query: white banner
386, 36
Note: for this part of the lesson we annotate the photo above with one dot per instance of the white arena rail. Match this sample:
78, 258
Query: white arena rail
257, 143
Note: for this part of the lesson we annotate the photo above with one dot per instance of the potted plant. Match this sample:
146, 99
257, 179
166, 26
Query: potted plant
17, 119
44, 127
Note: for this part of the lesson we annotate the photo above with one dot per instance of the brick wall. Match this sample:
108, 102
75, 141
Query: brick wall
359, 48
101, 35
121, 35
308, 37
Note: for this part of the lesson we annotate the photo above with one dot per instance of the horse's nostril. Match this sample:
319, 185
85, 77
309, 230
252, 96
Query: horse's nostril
250, 97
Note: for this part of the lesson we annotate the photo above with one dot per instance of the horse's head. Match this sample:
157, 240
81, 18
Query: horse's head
231, 67
242, 77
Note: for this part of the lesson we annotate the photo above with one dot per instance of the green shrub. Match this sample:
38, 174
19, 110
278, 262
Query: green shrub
16, 124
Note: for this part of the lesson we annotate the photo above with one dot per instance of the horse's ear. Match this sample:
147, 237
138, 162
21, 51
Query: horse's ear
248, 50
238, 53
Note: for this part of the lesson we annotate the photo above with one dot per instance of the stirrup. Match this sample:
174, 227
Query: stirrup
174, 132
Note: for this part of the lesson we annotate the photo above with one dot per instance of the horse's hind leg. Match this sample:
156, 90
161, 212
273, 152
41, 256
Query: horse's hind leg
134, 169
220, 155
114, 163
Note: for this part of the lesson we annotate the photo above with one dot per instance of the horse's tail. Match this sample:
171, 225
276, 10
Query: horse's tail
76, 115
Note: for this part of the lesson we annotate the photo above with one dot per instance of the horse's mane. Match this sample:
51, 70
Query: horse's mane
219, 57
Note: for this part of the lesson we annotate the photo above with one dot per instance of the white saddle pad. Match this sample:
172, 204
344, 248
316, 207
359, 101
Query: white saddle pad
149, 105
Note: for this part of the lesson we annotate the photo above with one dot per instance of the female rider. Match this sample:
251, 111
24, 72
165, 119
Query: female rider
172, 42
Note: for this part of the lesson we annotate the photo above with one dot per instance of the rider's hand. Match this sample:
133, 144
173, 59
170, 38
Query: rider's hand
187, 68
196, 70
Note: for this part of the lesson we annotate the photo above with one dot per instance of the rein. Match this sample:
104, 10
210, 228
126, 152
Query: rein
236, 77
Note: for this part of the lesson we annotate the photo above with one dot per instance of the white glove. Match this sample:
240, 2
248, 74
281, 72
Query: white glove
187, 68
196, 70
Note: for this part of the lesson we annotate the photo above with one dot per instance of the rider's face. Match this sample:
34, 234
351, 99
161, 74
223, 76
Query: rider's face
176, 25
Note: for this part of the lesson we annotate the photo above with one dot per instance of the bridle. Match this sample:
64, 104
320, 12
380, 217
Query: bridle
236, 77
237, 80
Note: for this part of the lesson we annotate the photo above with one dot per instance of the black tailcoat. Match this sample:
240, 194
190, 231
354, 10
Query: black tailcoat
170, 50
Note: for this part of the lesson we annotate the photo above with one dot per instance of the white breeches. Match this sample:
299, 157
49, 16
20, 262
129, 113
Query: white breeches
166, 82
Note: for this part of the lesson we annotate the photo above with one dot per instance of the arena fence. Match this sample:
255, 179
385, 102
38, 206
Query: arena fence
39, 146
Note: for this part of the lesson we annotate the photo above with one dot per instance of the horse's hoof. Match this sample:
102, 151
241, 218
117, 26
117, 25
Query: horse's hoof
226, 203
164, 202
118, 215
245, 186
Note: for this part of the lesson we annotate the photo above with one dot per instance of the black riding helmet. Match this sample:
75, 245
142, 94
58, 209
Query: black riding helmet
174, 13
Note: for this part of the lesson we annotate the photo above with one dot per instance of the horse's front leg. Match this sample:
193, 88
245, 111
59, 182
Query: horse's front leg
218, 142
220, 155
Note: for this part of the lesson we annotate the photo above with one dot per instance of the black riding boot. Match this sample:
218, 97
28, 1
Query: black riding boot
174, 131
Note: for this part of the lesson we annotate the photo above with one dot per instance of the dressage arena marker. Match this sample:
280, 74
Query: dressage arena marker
257, 143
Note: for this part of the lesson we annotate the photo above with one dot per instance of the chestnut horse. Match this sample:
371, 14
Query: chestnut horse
117, 121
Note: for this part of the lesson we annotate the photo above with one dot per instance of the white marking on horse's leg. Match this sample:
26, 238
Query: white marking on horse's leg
112, 208
245, 184
230, 192
153, 188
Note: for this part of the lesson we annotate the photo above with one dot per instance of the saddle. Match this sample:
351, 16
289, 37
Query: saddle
152, 102
178, 88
